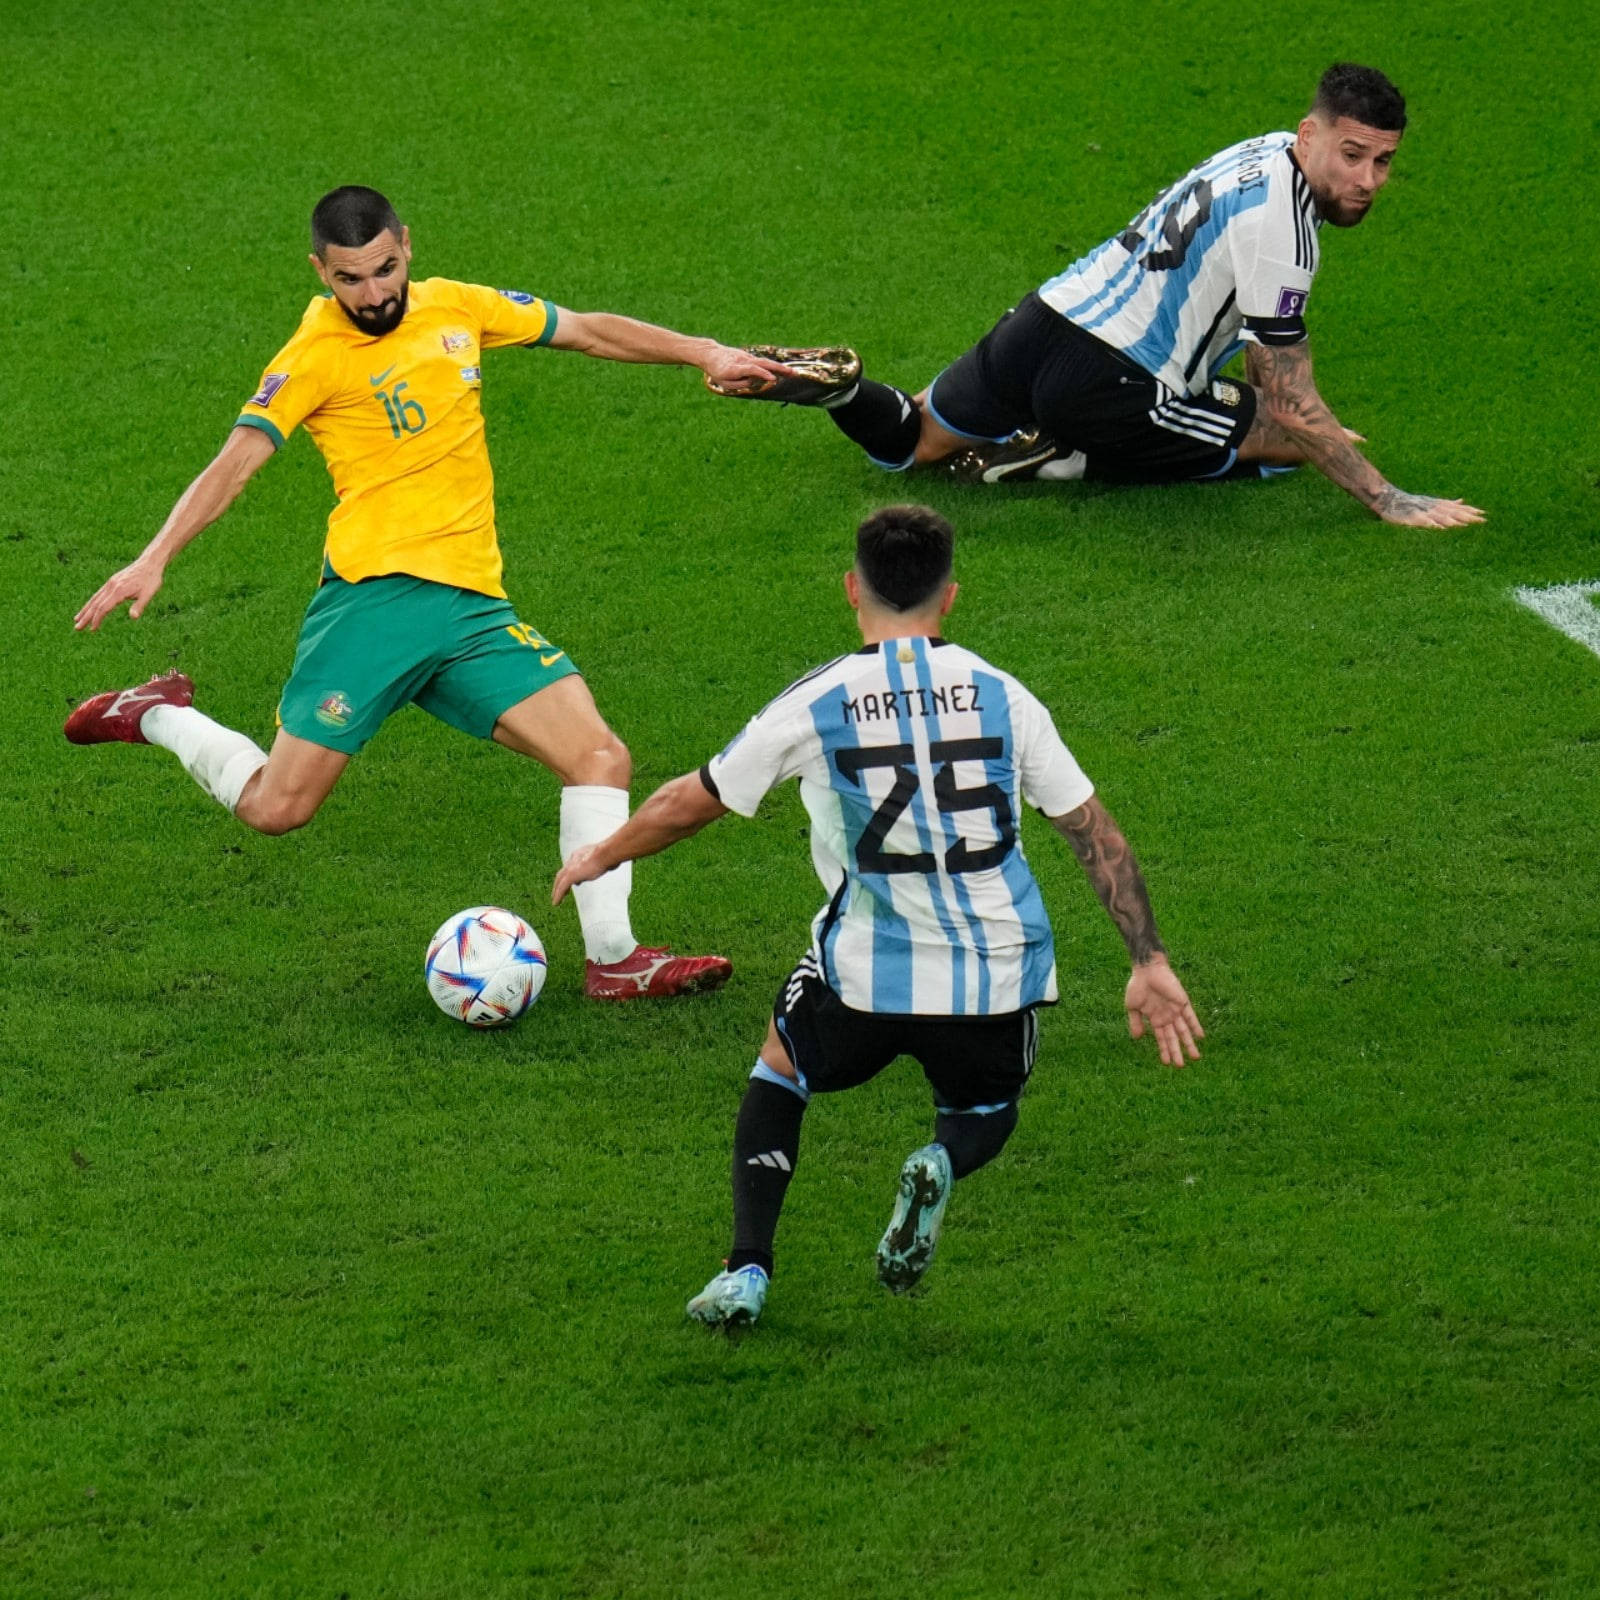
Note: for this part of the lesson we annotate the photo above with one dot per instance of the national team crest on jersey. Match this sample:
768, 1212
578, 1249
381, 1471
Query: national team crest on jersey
1291, 302
518, 297
456, 339
334, 710
1226, 392
270, 385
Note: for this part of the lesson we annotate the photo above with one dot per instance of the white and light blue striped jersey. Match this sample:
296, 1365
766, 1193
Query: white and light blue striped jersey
914, 759
1226, 254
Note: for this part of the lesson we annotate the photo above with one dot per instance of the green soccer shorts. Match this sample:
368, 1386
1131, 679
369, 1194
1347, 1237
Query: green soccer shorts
368, 648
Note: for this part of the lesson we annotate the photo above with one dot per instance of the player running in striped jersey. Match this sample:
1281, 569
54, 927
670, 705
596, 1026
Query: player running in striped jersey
915, 757
385, 375
1112, 369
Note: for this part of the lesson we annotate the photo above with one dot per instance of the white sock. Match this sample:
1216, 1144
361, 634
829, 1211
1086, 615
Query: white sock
1064, 469
591, 812
221, 761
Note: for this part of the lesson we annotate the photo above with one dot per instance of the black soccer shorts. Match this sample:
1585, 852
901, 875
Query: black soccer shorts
1034, 368
972, 1063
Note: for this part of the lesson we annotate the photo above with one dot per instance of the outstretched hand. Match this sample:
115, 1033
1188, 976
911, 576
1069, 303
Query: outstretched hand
582, 866
734, 371
1156, 1000
1424, 510
138, 582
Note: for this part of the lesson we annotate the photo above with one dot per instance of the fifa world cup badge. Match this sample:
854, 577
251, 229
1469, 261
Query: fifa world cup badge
271, 383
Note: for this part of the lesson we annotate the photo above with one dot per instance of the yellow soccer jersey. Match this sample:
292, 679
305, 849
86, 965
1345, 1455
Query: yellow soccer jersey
398, 421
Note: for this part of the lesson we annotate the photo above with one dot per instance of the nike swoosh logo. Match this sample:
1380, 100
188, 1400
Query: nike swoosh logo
128, 699
382, 375
550, 661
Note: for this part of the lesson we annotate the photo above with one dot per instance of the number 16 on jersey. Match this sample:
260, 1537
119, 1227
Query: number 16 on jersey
405, 416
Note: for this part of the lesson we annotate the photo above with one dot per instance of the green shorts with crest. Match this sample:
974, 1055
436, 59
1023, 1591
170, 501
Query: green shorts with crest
368, 648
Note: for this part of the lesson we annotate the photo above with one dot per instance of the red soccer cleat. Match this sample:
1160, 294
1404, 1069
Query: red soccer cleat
115, 714
654, 975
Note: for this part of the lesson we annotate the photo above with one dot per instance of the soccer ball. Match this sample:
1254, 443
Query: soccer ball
485, 967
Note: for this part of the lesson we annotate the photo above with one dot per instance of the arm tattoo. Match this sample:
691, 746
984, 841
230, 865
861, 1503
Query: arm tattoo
1283, 374
1395, 503
1278, 441
1108, 863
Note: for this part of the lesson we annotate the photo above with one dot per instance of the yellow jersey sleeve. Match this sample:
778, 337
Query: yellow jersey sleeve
508, 316
295, 383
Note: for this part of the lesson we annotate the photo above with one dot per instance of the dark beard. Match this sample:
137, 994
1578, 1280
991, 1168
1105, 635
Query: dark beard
379, 320
1339, 215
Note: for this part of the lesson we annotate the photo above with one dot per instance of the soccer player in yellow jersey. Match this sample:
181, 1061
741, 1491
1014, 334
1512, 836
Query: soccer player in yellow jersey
385, 374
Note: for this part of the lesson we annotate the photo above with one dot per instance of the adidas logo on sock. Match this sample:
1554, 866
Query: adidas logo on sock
773, 1158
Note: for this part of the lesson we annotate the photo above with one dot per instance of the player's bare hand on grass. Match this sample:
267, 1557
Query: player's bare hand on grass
1424, 510
137, 582
582, 866
735, 371
1157, 1001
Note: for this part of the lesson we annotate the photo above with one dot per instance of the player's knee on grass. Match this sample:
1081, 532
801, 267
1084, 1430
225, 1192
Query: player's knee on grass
1267, 444
935, 442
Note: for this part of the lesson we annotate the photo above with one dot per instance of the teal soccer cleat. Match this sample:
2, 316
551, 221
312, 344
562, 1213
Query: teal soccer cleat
907, 1246
730, 1299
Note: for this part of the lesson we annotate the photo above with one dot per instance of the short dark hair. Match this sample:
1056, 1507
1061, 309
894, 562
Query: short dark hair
351, 217
903, 553
1363, 94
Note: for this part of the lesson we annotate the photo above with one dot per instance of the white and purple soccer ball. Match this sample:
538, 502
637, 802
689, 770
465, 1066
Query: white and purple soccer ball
485, 967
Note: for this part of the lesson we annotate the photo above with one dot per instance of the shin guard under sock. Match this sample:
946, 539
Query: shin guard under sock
883, 420
971, 1139
766, 1145
221, 761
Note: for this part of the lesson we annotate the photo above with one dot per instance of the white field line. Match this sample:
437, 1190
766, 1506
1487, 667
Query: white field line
1569, 607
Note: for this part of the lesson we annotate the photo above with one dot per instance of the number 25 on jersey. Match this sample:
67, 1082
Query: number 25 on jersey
871, 856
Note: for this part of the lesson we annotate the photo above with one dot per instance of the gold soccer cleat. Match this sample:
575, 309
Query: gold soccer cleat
820, 375
1013, 460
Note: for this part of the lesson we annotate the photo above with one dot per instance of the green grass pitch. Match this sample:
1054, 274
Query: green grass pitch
305, 1291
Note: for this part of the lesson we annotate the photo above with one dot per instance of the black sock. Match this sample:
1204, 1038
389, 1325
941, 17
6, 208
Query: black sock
883, 420
766, 1145
971, 1140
